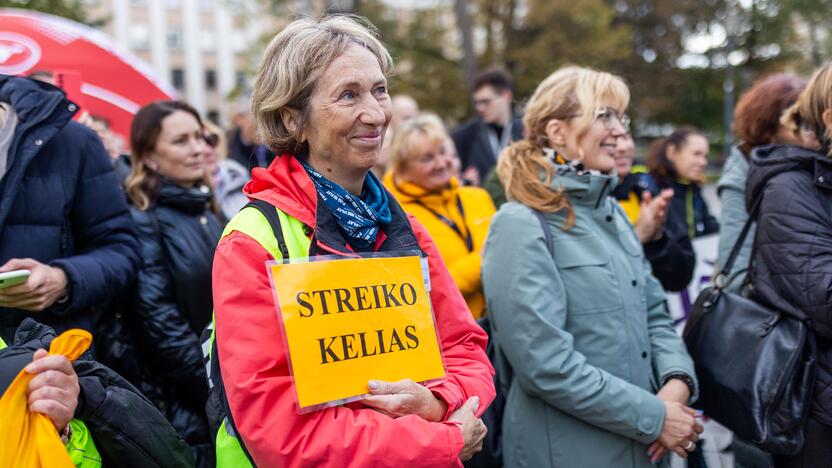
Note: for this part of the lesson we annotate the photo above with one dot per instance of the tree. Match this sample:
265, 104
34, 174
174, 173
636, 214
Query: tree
422, 43
71, 9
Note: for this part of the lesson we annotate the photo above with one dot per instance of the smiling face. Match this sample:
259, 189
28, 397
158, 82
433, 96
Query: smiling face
596, 149
430, 166
349, 111
179, 152
691, 158
625, 153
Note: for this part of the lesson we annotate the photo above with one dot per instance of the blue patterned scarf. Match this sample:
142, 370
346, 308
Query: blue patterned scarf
358, 217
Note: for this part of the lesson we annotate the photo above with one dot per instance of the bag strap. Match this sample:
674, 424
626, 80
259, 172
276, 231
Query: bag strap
547, 234
269, 211
724, 274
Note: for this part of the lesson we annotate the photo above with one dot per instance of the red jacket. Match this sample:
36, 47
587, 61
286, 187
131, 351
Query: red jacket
256, 372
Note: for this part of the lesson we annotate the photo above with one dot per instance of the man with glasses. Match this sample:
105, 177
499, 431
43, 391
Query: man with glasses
480, 141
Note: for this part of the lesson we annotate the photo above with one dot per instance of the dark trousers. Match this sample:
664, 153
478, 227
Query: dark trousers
817, 451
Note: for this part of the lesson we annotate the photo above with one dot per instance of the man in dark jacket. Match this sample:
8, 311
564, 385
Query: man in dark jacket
243, 143
63, 215
125, 428
480, 141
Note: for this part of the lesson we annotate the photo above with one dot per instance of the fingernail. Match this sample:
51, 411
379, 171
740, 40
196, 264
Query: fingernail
699, 412
649, 452
31, 368
373, 384
477, 401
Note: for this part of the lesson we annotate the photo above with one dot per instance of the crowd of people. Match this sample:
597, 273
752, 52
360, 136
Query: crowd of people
540, 224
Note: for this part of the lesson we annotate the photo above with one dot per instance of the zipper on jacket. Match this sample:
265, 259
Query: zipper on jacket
332, 250
689, 215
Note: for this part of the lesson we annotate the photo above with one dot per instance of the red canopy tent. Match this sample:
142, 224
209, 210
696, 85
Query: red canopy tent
115, 84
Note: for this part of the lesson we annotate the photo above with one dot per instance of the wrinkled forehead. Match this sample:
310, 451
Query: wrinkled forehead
355, 66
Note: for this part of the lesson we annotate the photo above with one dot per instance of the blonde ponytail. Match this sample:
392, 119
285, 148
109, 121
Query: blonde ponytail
527, 176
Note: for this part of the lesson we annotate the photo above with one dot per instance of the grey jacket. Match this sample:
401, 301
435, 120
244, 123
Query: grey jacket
585, 331
731, 189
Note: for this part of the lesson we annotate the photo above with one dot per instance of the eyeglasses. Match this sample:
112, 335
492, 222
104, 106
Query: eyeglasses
609, 117
212, 139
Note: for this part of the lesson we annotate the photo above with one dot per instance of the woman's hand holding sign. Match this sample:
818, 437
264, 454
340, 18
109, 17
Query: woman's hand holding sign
405, 397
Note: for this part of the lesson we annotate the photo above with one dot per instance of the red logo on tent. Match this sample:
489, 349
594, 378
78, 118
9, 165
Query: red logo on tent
18, 53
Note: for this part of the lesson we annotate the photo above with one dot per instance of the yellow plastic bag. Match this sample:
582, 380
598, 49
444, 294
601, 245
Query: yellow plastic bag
29, 440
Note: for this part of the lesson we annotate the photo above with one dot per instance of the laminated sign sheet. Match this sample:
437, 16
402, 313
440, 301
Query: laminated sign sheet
353, 320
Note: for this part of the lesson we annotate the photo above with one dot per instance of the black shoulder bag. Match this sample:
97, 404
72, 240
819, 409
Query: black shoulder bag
491, 455
756, 366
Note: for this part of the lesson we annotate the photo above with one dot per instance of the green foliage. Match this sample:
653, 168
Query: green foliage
647, 42
426, 68
71, 9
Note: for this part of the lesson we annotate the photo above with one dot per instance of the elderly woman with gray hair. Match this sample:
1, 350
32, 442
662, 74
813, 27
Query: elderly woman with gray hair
321, 104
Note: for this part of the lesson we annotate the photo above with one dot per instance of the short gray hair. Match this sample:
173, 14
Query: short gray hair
292, 64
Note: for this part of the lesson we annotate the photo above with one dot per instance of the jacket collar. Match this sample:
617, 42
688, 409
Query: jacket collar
194, 200
407, 192
286, 184
586, 188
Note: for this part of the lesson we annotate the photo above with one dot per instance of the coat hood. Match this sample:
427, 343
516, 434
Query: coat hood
768, 161
35, 101
286, 185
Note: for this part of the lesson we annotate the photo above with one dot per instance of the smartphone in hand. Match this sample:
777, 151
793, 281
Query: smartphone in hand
11, 278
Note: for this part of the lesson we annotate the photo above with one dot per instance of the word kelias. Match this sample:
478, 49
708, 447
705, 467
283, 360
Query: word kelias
366, 344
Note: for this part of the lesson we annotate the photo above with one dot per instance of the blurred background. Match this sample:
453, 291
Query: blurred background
685, 61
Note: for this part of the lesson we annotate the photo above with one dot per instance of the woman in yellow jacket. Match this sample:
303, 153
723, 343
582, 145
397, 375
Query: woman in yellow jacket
422, 179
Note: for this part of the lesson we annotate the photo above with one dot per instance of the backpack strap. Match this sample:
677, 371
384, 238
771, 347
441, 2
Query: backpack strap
216, 379
547, 233
269, 211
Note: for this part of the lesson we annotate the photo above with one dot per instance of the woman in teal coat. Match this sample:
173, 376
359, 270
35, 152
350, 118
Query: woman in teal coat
600, 378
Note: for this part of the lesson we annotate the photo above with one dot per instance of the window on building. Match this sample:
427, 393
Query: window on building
208, 40
240, 79
175, 39
211, 80
214, 116
177, 75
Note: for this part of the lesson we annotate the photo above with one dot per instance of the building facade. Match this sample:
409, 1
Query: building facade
206, 49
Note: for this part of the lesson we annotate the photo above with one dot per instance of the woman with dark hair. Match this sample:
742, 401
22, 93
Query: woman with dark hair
756, 123
678, 162
170, 190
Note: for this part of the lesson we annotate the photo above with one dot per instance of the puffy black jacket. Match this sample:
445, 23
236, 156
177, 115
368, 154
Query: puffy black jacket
688, 213
792, 257
157, 347
61, 204
127, 430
